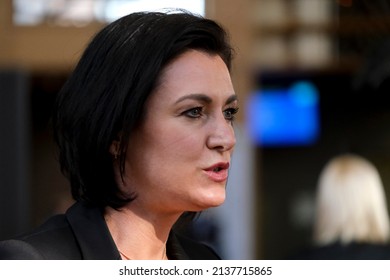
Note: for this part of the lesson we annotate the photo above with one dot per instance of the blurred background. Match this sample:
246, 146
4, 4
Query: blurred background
312, 77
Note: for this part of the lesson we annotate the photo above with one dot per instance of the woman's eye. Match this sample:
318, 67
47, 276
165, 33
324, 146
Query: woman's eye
194, 112
230, 113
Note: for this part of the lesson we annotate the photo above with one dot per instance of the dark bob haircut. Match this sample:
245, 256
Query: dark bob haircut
105, 95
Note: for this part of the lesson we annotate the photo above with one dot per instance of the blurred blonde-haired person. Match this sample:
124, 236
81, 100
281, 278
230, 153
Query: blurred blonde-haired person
352, 220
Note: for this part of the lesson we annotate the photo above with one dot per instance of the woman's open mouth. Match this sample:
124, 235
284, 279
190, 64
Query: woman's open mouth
218, 172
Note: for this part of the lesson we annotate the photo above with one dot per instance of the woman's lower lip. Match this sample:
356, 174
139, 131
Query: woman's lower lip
219, 176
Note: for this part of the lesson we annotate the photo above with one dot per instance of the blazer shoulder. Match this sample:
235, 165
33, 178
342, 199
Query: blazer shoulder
52, 240
18, 250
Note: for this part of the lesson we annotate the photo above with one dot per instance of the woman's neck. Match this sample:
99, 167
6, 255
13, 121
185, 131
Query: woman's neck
138, 234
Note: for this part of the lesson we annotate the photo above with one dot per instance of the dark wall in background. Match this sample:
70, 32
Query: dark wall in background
31, 185
15, 151
51, 193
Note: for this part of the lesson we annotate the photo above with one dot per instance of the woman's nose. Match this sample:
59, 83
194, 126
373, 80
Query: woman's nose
221, 137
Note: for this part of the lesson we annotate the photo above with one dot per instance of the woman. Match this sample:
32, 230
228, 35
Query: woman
352, 220
145, 132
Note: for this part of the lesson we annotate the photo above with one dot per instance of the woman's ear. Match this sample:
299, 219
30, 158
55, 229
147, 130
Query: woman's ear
115, 147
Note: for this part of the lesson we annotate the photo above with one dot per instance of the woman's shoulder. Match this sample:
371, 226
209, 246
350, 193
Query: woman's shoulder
15, 249
51, 240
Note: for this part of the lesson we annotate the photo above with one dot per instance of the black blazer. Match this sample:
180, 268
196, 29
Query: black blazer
82, 234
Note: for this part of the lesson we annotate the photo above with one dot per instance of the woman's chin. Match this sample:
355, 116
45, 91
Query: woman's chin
212, 199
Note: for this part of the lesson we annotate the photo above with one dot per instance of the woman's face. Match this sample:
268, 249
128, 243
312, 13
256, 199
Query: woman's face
178, 158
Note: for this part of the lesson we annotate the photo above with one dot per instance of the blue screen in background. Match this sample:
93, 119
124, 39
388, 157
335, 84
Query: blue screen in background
284, 116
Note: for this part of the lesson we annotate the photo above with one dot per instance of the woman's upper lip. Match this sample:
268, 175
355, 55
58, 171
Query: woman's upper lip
219, 165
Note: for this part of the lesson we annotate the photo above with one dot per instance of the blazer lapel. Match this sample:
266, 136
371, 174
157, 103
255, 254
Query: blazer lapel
92, 233
175, 250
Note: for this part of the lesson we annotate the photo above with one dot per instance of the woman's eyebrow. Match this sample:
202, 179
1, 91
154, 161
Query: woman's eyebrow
231, 99
195, 96
204, 98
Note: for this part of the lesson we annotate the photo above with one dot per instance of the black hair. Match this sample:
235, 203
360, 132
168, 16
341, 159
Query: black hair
104, 98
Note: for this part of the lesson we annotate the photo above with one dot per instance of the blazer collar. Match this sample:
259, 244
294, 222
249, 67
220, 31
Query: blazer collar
92, 233
175, 250
95, 240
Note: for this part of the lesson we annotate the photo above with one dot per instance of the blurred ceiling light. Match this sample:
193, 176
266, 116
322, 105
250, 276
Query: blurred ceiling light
82, 12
